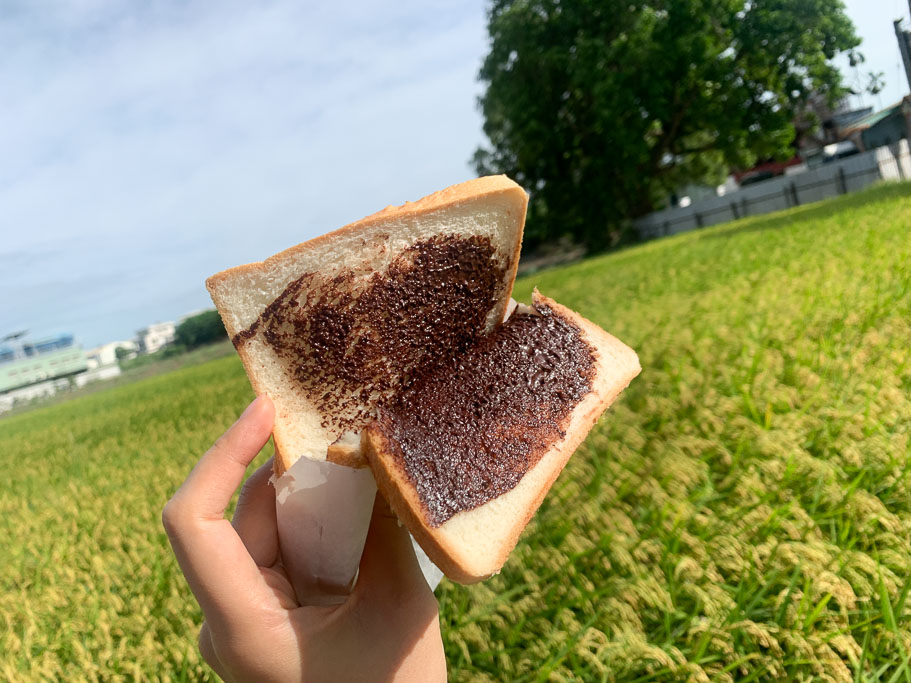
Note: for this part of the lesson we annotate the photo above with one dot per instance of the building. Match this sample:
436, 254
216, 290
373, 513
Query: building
150, 339
24, 363
32, 370
106, 354
881, 128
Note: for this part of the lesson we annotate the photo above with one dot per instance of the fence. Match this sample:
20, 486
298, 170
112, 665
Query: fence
891, 162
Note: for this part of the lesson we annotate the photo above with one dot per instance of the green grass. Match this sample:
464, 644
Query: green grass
742, 513
88, 587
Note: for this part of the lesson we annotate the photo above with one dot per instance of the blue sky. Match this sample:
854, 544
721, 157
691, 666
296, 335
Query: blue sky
147, 145
873, 21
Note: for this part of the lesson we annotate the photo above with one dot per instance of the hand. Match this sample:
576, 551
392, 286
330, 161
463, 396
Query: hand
254, 628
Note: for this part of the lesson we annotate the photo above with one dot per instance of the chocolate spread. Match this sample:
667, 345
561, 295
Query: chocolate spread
468, 431
348, 343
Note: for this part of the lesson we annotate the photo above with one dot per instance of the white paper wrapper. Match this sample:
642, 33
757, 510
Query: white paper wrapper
323, 512
432, 573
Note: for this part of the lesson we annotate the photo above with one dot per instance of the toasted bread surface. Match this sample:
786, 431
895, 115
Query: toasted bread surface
474, 543
325, 359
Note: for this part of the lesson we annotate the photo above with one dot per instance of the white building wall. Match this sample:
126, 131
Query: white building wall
155, 336
102, 373
106, 354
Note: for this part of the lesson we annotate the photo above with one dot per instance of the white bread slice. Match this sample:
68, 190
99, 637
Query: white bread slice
473, 544
315, 407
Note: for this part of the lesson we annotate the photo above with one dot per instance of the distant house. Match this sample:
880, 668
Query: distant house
885, 127
106, 354
151, 338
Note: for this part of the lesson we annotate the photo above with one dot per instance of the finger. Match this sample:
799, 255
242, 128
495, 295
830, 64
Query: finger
254, 517
389, 566
217, 475
221, 573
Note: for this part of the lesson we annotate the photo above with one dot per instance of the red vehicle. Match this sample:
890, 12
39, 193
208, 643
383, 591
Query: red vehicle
764, 171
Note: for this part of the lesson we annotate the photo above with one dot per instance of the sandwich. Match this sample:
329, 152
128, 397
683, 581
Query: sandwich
331, 328
393, 342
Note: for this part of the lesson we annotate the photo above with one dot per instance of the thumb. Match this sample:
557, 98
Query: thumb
389, 566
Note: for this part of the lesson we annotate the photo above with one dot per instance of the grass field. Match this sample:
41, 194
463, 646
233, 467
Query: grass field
743, 513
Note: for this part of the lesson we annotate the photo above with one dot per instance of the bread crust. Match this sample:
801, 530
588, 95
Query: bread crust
407, 506
616, 364
471, 190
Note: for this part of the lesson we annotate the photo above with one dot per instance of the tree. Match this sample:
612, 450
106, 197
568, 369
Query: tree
203, 328
601, 108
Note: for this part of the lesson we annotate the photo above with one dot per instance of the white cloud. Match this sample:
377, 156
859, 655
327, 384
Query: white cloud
146, 146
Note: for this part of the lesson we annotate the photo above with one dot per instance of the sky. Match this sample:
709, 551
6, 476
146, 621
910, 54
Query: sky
873, 21
147, 145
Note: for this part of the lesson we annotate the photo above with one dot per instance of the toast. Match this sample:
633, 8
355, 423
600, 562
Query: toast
331, 328
466, 453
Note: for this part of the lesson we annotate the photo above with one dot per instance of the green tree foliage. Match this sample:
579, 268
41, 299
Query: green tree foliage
600, 108
203, 328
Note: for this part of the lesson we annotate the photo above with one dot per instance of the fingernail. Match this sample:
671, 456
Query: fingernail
250, 407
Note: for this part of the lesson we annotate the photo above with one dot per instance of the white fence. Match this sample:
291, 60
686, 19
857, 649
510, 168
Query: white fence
892, 162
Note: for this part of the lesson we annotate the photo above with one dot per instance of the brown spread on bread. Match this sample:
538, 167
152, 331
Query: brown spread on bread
349, 341
468, 431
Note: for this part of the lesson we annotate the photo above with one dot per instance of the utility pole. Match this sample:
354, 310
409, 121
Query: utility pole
904, 45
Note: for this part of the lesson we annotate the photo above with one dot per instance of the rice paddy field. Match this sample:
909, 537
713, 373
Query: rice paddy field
742, 513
